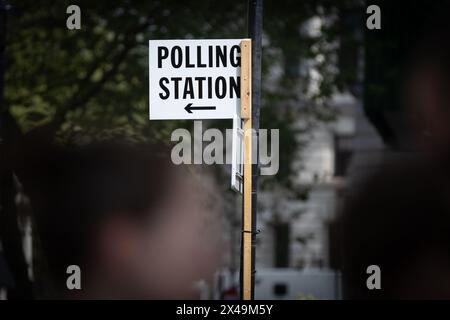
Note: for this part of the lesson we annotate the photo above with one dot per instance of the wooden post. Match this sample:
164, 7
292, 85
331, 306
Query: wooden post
246, 115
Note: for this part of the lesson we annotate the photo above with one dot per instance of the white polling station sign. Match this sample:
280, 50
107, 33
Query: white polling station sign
194, 79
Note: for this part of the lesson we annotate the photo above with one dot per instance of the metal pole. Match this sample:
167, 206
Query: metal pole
255, 33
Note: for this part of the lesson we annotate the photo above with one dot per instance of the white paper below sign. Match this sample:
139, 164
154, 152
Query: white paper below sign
237, 156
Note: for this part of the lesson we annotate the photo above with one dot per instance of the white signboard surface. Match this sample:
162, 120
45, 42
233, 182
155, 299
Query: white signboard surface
194, 79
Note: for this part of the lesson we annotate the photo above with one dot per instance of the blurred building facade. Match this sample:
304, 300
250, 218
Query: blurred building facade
295, 232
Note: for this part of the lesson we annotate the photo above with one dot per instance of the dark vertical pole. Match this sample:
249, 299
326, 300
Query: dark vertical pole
3, 20
255, 22
9, 231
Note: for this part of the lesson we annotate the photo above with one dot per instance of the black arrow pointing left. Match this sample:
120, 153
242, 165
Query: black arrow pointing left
189, 108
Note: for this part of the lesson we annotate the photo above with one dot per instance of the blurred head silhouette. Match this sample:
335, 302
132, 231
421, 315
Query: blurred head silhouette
133, 223
428, 87
399, 218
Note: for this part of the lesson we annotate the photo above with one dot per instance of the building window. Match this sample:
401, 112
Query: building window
342, 154
282, 237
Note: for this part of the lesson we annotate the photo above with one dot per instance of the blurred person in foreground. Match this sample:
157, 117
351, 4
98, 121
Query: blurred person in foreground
135, 224
399, 219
